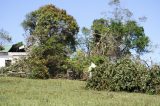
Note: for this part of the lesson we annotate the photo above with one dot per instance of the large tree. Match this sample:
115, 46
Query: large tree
50, 21
51, 35
119, 34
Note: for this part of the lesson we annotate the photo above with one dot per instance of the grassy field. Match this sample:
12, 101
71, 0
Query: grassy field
57, 92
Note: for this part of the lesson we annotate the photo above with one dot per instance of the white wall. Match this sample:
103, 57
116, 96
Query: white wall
3, 58
17, 53
11, 56
2, 62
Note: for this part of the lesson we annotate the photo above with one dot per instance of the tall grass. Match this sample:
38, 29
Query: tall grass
28, 92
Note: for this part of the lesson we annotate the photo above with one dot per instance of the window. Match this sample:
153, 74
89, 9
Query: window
7, 63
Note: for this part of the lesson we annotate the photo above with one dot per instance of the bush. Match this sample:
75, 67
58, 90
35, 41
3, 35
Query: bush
26, 67
80, 63
125, 75
16, 69
37, 69
47, 60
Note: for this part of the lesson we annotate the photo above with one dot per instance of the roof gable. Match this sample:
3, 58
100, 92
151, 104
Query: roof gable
18, 47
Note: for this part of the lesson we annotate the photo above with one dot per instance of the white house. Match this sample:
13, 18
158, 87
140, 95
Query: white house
10, 54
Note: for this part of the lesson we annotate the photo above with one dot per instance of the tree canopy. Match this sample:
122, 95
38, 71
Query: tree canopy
50, 21
122, 36
4, 37
51, 35
119, 34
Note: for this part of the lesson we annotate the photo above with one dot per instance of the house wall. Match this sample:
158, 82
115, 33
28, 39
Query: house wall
13, 56
2, 62
3, 59
16, 55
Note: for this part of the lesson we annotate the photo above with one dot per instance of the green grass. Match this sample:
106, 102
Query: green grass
57, 92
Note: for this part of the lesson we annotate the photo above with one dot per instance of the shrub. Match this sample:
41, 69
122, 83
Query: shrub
47, 60
98, 60
37, 69
125, 75
31, 68
78, 64
16, 69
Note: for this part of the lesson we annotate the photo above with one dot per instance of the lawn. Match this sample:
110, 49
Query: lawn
58, 92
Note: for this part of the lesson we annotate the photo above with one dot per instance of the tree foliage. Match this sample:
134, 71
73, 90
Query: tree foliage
85, 40
126, 75
118, 35
50, 21
119, 38
51, 37
115, 37
4, 37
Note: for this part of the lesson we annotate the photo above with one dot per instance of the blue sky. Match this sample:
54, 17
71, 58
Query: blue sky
84, 11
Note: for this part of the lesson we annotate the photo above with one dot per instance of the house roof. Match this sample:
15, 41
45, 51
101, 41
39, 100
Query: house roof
6, 48
18, 47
